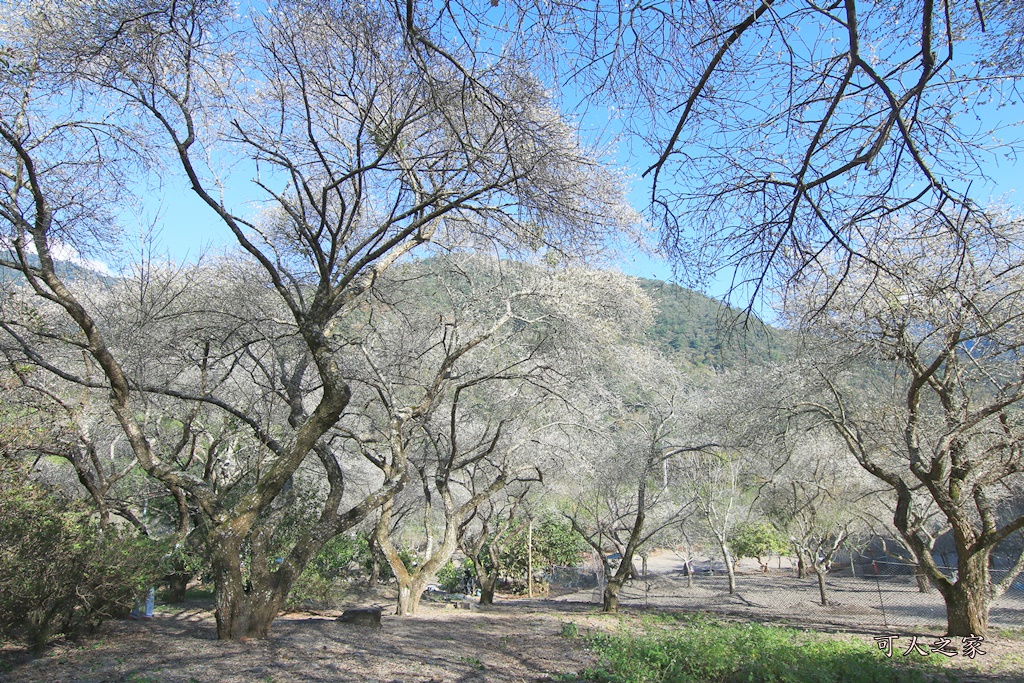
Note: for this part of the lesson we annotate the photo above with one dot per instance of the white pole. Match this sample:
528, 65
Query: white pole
529, 559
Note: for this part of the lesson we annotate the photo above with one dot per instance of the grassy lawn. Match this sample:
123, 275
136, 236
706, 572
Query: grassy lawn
695, 648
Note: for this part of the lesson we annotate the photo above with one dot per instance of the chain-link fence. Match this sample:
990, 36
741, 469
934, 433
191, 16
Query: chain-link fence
878, 594
573, 578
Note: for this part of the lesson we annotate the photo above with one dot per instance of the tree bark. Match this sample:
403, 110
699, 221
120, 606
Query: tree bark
177, 584
924, 585
822, 592
251, 613
409, 593
966, 612
967, 600
374, 562
610, 601
969, 597
412, 583
610, 598
243, 611
730, 570
488, 582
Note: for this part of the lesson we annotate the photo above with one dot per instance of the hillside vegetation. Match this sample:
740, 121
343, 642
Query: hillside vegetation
704, 334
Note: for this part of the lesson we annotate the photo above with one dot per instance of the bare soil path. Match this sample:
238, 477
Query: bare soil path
512, 642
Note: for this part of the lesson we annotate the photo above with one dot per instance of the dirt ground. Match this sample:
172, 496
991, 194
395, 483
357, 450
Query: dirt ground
512, 641
859, 602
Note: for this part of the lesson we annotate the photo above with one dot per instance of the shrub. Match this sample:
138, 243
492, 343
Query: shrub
183, 562
311, 590
452, 577
448, 577
555, 542
758, 540
316, 586
336, 557
60, 573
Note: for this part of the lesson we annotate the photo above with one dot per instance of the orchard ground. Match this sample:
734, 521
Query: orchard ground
513, 640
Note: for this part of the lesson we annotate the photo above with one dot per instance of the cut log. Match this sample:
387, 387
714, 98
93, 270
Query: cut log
363, 616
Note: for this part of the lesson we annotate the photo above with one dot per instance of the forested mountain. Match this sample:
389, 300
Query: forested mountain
695, 330
705, 334
67, 270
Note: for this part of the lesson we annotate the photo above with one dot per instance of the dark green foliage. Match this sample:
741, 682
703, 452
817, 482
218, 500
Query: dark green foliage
701, 651
334, 559
557, 542
311, 590
450, 576
705, 334
409, 558
342, 558
554, 543
184, 562
757, 539
60, 573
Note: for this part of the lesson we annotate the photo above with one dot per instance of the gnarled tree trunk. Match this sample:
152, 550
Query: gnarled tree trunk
610, 597
177, 584
968, 599
243, 610
374, 562
409, 593
488, 579
921, 576
488, 582
801, 566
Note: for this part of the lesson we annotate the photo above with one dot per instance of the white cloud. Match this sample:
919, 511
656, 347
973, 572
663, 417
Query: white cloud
64, 252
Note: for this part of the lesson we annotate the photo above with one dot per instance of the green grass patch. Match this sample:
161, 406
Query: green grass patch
700, 650
200, 593
473, 662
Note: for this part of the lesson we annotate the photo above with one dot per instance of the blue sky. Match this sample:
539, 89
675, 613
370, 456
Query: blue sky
185, 227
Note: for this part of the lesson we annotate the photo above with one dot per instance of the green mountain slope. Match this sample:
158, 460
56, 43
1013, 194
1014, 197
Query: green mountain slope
704, 334
66, 270
696, 331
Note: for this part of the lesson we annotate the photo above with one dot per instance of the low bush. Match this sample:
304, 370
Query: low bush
339, 556
342, 559
60, 573
312, 591
453, 577
759, 540
702, 650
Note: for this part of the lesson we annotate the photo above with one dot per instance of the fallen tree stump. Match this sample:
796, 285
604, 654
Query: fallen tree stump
362, 616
